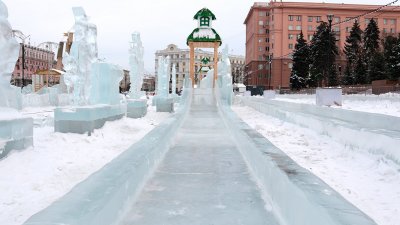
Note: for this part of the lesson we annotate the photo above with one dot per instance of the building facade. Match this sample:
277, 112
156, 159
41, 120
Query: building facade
272, 30
180, 57
36, 59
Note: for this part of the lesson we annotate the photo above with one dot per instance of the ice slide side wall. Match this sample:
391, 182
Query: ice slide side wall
297, 196
104, 197
351, 128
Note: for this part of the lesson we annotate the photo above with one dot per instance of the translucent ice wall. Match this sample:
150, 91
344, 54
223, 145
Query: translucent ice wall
105, 89
207, 81
79, 62
9, 49
351, 128
136, 64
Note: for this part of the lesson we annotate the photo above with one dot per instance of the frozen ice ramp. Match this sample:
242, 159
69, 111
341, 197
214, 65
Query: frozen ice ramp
204, 166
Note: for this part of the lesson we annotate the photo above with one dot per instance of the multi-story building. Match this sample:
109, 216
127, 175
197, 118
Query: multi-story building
35, 59
272, 29
180, 57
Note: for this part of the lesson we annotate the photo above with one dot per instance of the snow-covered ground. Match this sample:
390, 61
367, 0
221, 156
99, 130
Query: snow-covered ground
370, 182
32, 179
388, 104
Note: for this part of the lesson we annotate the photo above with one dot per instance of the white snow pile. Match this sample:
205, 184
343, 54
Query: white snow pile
32, 179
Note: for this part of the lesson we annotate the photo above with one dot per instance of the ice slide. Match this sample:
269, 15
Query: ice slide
202, 166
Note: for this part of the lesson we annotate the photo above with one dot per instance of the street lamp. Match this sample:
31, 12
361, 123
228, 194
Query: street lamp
20, 35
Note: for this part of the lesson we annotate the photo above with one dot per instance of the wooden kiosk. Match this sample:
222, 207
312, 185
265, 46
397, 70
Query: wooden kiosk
204, 36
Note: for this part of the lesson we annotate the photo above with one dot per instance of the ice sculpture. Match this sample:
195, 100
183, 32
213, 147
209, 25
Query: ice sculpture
173, 78
225, 76
83, 53
94, 84
9, 49
15, 131
207, 82
161, 100
136, 64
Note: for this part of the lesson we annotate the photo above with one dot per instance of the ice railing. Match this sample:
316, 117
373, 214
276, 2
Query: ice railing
105, 196
296, 195
375, 133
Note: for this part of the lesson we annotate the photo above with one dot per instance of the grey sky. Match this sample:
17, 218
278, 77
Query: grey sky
160, 22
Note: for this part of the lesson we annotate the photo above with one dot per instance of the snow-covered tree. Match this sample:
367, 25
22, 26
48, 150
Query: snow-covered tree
353, 51
300, 69
323, 53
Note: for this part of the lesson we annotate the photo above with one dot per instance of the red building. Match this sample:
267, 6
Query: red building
272, 29
35, 59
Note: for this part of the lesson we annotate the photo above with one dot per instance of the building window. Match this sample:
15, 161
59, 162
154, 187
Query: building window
317, 18
310, 19
385, 21
348, 29
261, 31
297, 37
298, 27
260, 49
260, 23
290, 65
259, 40
336, 29
384, 30
260, 13
290, 18
260, 66
267, 49
310, 37
267, 13
392, 30
204, 21
267, 40
290, 46
337, 19
309, 28
290, 36
267, 31
290, 27
298, 18
393, 21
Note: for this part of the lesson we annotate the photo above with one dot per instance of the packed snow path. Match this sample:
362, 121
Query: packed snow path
203, 178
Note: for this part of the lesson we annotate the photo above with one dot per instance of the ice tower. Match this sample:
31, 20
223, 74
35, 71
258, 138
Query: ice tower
162, 101
225, 76
136, 107
15, 131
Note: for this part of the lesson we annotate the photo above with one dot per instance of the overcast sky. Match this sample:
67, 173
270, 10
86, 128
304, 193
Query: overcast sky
160, 22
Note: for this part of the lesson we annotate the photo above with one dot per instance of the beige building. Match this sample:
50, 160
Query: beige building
180, 57
272, 28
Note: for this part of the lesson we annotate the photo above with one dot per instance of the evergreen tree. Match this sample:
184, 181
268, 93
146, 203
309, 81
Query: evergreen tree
353, 51
392, 57
376, 67
360, 72
323, 52
300, 69
371, 49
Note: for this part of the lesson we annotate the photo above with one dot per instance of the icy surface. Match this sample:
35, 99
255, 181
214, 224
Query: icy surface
207, 82
173, 79
136, 64
9, 49
199, 181
368, 181
59, 161
83, 53
163, 76
328, 96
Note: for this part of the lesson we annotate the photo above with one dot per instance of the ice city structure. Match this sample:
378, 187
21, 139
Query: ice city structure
163, 101
16, 131
94, 84
202, 165
136, 107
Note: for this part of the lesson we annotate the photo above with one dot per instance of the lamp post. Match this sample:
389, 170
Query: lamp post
20, 35
330, 18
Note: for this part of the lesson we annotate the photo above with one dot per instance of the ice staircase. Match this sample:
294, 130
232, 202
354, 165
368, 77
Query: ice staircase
202, 166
